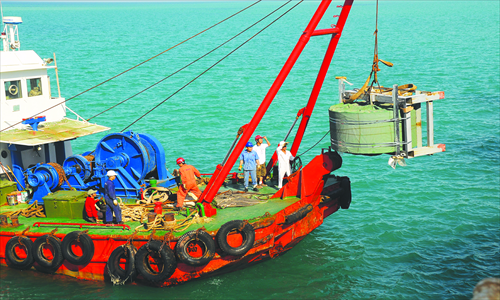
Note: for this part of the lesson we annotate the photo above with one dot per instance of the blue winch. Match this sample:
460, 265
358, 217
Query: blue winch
133, 156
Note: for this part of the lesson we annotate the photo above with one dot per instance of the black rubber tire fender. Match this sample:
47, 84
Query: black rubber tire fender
10, 254
298, 215
346, 196
113, 263
87, 248
200, 236
166, 256
44, 264
247, 232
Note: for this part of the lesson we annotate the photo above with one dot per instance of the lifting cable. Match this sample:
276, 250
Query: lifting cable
66, 100
314, 144
194, 61
241, 45
375, 68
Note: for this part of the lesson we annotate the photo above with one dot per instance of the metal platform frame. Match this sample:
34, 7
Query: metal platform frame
405, 105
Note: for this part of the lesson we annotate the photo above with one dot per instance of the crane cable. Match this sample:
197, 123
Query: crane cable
375, 67
66, 100
199, 75
194, 61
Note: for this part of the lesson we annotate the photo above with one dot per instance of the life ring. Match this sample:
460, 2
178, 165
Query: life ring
156, 251
247, 232
127, 252
45, 264
13, 89
185, 244
298, 215
11, 255
346, 196
87, 248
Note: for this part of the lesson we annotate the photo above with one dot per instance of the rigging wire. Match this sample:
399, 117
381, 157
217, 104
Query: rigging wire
66, 100
375, 68
194, 61
209, 68
314, 144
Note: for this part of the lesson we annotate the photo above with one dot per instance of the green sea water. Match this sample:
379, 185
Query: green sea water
430, 230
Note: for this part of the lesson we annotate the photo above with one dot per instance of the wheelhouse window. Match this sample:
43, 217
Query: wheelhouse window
13, 89
34, 87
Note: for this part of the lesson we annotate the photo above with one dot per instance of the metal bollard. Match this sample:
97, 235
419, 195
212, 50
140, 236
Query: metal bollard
15, 221
169, 217
3, 220
151, 217
169, 221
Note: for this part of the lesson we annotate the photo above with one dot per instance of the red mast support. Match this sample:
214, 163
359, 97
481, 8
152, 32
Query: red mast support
221, 172
322, 74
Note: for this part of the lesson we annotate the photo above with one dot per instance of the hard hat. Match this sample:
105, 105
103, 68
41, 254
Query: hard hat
282, 144
111, 173
258, 137
249, 144
180, 160
91, 192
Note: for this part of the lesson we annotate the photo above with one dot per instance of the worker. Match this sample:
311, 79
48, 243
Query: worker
284, 159
249, 159
110, 198
188, 175
91, 214
260, 148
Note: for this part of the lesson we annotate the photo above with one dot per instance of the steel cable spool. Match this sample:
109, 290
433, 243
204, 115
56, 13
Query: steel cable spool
80, 166
359, 128
126, 151
51, 174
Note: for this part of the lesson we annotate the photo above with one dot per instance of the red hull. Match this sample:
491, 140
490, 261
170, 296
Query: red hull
272, 238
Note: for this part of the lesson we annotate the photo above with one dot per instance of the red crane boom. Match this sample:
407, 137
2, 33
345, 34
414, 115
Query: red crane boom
221, 172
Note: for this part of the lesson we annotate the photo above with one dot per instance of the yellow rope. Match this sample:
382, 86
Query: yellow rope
159, 223
32, 210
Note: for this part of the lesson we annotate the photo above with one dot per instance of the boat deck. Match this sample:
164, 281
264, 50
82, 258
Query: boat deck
265, 205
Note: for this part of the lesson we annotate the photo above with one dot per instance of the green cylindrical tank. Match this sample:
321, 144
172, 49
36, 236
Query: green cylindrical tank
359, 128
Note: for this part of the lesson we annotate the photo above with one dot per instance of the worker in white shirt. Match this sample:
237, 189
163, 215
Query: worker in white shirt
260, 148
284, 159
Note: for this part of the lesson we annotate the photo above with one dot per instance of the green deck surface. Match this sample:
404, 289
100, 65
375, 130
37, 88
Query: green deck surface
271, 206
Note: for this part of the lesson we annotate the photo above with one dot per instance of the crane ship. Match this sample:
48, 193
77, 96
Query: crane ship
44, 185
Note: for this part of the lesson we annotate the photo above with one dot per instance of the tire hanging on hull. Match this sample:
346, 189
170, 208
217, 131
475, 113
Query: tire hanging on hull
118, 274
346, 196
198, 236
159, 252
298, 215
13, 259
87, 248
245, 229
45, 264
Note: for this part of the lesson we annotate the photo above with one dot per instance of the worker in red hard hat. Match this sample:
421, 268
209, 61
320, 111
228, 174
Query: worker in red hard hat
188, 175
260, 148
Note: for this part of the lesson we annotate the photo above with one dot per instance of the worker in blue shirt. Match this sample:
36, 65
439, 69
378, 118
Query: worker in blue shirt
249, 160
110, 198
